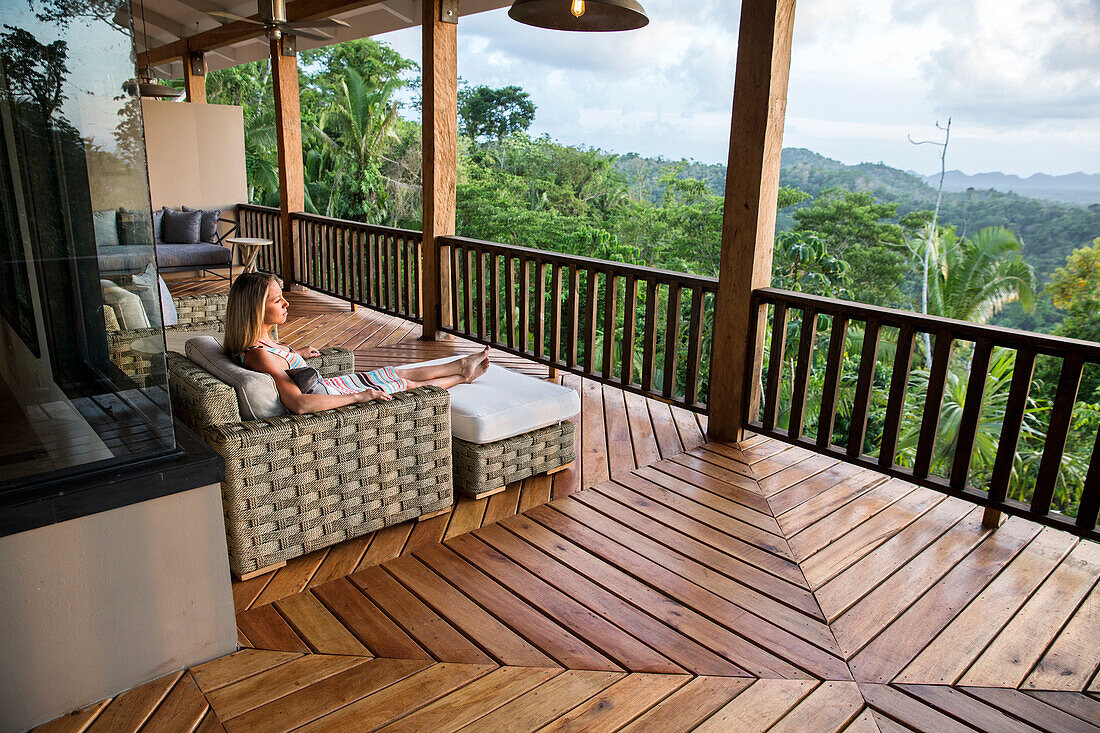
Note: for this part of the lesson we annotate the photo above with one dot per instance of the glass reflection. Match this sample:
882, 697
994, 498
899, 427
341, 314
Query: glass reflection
80, 286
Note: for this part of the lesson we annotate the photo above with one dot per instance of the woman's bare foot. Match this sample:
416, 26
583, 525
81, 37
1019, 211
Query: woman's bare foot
474, 365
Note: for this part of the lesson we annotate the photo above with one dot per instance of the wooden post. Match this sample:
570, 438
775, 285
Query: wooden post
440, 125
748, 229
288, 126
194, 76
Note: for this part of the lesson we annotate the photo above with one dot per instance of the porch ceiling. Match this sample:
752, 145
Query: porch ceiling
170, 22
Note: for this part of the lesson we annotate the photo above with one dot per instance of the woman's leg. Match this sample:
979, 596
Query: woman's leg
468, 368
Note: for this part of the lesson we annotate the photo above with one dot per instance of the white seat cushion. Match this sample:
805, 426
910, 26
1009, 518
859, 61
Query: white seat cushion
502, 404
126, 305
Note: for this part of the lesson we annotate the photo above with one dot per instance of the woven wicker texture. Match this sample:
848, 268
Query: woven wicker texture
196, 313
200, 308
298, 483
482, 468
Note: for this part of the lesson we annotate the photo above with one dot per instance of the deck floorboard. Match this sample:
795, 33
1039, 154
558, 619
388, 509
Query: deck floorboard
664, 584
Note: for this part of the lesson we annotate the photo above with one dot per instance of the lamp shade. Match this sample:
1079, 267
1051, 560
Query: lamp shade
598, 15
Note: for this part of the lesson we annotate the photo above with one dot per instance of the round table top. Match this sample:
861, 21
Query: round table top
174, 340
253, 241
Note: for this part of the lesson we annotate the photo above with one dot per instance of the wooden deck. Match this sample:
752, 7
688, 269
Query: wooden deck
713, 587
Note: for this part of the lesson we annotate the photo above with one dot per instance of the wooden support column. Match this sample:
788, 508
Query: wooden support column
194, 76
288, 126
440, 124
748, 229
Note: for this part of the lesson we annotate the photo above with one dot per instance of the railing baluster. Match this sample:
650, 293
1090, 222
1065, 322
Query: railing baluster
398, 275
494, 296
1089, 507
899, 382
610, 295
649, 343
807, 334
572, 316
775, 365
510, 280
467, 291
630, 303
834, 365
972, 409
864, 385
591, 306
695, 346
525, 305
454, 249
479, 268
1011, 424
540, 314
937, 379
672, 340
1060, 415
555, 313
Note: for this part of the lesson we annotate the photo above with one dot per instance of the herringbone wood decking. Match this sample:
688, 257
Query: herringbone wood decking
721, 588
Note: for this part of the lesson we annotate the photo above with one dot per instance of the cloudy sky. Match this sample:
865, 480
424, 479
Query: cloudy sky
1020, 79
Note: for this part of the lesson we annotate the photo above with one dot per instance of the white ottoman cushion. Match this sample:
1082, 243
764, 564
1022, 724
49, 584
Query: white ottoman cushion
502, 404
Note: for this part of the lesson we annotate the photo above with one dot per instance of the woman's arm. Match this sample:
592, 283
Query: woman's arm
259, 360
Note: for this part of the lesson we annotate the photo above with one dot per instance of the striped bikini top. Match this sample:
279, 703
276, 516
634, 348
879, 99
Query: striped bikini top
293, 361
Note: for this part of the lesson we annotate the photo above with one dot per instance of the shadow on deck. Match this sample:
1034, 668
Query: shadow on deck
680, 586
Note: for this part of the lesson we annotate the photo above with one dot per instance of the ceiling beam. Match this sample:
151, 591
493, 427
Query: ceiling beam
238, 31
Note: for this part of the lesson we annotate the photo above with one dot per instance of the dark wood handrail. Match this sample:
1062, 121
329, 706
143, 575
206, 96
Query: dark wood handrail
946, 335
357, 225
892, 317
640, 272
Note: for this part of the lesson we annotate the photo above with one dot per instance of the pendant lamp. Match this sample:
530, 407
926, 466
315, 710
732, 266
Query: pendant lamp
147, 84
580, 15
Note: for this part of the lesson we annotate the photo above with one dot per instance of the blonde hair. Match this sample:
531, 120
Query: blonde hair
244, 313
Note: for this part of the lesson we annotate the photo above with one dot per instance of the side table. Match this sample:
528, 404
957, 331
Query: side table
250, 249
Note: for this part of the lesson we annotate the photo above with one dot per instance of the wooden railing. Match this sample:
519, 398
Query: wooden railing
643, 330
869, 330
262, 222
373, 266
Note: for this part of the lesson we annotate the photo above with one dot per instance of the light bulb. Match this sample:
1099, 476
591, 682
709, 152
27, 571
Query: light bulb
578, 8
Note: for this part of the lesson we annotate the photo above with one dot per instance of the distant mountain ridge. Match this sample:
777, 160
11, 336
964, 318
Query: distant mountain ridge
1073, 188
1049, 227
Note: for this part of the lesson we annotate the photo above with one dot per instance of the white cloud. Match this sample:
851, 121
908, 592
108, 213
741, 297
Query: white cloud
1021, 80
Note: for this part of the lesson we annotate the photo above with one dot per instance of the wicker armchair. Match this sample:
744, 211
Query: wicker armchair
196, 313
298, 483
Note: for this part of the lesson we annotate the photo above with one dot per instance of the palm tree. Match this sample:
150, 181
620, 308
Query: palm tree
354, 130
973, 279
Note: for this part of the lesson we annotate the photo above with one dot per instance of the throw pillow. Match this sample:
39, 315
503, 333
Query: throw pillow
105, 225
182, 227
208, 230
127, 307
135, 227
158, 225
257, 396
155, 297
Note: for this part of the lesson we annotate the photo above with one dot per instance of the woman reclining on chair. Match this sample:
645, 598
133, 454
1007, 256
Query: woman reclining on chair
256, 305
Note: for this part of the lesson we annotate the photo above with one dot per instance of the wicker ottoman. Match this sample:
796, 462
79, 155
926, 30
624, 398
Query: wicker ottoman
480, 470
508, 426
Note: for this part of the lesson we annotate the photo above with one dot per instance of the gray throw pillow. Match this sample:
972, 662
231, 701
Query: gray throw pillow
208, 231
158, 226
105, 224
182, 227
257, 396
135, 227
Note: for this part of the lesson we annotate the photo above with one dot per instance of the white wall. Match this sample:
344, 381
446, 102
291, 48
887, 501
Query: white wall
97, 605
195, 154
